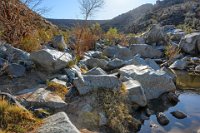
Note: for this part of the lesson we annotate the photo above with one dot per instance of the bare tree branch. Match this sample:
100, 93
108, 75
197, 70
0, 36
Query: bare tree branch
89, 7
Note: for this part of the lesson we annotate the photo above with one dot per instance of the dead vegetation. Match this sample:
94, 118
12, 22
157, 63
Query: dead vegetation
16, 119
117, 110
58, 89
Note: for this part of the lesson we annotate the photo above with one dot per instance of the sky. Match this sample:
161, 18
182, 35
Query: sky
69, 9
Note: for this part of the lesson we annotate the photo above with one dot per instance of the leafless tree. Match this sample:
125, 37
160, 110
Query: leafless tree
89, 7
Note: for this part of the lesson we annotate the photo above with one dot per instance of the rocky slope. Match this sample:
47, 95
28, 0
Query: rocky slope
105, 89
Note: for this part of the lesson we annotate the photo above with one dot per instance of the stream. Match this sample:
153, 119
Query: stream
189, 96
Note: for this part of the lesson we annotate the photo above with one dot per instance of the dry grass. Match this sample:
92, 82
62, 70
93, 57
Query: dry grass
58, 89
16, 119
116, 108
171, 51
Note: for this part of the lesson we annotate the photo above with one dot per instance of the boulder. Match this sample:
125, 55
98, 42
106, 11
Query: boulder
162, 119
136, 40
13, 55
155, 35
94, 62
72, 73
151, 63
135, 92
119, 52
177, 34
190, 44
179, 65
16, 70
41, 97
51, 60
115, 63
58, 123
197, 68
93, 82
2, 62
59, 42
153, 82
179, 114
96, 71
93, 54
138, 61
146, 51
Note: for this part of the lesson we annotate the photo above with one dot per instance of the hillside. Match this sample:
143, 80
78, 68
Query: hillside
168, 12
68, 23
126, 19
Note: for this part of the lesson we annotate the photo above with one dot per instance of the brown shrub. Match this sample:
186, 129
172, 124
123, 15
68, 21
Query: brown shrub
84, 39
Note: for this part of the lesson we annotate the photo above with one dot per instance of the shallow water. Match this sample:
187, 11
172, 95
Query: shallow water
189, 104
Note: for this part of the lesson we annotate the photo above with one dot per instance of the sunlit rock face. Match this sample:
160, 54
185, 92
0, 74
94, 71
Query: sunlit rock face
154, 82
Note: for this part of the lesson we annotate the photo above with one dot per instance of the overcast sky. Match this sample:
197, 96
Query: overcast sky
69, 9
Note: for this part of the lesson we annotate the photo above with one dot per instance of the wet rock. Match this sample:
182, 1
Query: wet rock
148, 112
135, 92
96, 71
58, 123
179, 114
153, 82
146, 51
91, 83
119, 52
190, 44
179, 65
51, 60
59, 42
16, 70
115, 63
162, 119
172, 97
94, 62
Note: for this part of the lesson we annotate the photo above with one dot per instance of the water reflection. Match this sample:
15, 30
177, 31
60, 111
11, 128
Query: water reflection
189, 103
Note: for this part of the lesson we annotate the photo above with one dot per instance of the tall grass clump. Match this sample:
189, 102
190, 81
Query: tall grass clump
15, 119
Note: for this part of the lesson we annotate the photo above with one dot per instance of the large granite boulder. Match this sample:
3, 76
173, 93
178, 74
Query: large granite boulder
153, 82
51, 60
15, 70
190, 44
115, 63
91, 83
119, 52
146, 51
58, 123
135, 92
95, 62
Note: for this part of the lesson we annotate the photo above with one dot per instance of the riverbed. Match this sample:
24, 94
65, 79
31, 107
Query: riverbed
189, 96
